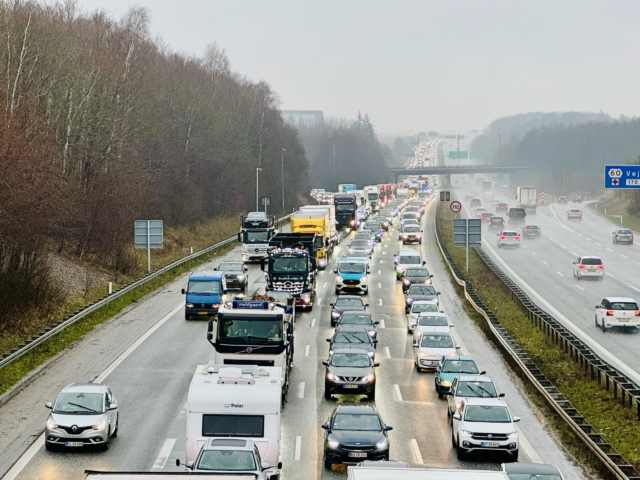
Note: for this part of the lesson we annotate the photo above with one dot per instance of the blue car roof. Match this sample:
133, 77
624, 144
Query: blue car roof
206, 275
460, 357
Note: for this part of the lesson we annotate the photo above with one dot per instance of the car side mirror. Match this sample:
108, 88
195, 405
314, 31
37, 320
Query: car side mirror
424, 262
328, 339
375, 341
49, 405
366, 305
415, 345
497, 234
597, 306
457, 416
279, 465
575, 263
387, 428
376, 322
325, 426
112, 406
501, 395
457, 347
438, 293
376, 364
516, 419
430, 276
451, 326
215, 269
240, 240
246, 270
184, 291
325, 363
265, 466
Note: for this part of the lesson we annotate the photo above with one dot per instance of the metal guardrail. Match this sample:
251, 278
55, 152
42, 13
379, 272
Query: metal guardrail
58, 327
610, 458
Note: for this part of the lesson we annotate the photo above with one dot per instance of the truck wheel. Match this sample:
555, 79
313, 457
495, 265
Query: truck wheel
187, 317
327, 463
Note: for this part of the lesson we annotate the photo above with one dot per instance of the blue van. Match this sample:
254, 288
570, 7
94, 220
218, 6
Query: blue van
205, 292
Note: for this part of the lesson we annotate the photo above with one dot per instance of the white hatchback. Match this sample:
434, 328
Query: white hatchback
617, 312
431, 322
418, 307
508, 238
588, 267
432, 348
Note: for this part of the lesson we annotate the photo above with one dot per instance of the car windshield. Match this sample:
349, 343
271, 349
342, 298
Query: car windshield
533, 476
624, 306
487, 413
411, 229
350, 318
250, 332
255, 237
351, 267
256, 216
424, 307
360, 244
352, 421
496, 219
349, 302
476, 389
437, 341
351, 337
203, 287
574, 211
357, 360
624, 232
227, 460
231, 267
531, 227
357, 254
410, 259
415, 272
432, 321
78, 403
591, 261
459, 366
422, 290
344, 208
406, 216
289, 265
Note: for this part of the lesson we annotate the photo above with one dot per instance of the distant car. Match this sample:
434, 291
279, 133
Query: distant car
531, 231
467, 198
470, 386
346, 303
576, 199
574, 214
352, 336
411, 234
588, 267
434, 322
502, 207
419, 292
415, 275
508, 238
602, 198
479, 212
359, 426
475, 201
563, 200
350, 371
235, 275
617, 312
623, 235
450, 368
496, 223
537, 471
359, 319
83, 415
432, 348
494, 203
418, 307
360, 245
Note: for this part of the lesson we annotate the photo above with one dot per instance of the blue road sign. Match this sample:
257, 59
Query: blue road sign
621, 176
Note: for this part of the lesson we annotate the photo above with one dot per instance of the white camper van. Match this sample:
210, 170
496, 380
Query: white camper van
235, 402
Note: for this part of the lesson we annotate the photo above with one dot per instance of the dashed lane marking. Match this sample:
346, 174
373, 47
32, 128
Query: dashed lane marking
623, 256
636, 289
382, 324
579, 287
325, 284
599, 244
301, 390
560, 274
379, 272
610, 275
313, 323
545, 262
534, 253
319, 301
306, 350
416, 451
379, 285
380, 301
387, 352
398, 394
163, 456
298, 447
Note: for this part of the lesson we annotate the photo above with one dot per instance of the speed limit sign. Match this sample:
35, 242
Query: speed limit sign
455, 207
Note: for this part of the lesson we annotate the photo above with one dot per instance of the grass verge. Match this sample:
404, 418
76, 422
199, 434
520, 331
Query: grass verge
617, 423
12, 373
613, 209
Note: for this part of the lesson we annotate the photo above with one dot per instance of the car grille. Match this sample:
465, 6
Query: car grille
288, 286
489, 436
249, 250
351, 282
78, 430
352, 379
358, 448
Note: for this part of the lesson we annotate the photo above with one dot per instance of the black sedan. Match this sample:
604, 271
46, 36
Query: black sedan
419, 292
419, 275
235, 274
496, 224
350, 371
346, 303
353, 434
354, 337
502, 207
531, 231
360, 319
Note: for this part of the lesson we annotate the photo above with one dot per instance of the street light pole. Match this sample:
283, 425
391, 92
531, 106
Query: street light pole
458, 149
500, 157
258, 189
283, 150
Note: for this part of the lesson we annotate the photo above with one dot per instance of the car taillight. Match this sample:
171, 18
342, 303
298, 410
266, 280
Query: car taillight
601, 267
581, 266
579, 213
609, 313
503, 238
517, 238
538, 230
636, 313
525, 230
617, 235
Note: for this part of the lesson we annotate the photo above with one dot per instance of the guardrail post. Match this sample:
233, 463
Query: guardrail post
110, 288
615, 389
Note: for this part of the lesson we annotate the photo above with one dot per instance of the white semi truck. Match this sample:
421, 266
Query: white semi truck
527, 198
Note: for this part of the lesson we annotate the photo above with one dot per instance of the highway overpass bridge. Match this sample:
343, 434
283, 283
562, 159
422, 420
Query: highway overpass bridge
447, 171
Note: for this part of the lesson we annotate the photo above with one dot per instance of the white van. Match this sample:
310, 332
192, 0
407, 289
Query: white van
235, 402
407, 258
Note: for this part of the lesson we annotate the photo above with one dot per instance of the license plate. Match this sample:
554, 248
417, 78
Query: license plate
73, 444
623, 319
202, 313
357, 455
592, 270
489, 444
349, 386
352, 286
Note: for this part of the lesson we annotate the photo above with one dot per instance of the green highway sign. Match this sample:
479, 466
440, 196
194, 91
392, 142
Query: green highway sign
450, 137
455, 155
476, 155
506, 179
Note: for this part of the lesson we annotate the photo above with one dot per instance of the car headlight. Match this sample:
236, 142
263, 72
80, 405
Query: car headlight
241, 277
404, 235
306, 297
335, 315
446, 383
457, 405
322, 262
190, 305
427, 281
382, 444
372, 333
419, 237
100, 425
371, 354
244, 258
332, 377
51, 425
406, 281
409, 300
424, 354
466, 433
338, 279
215, 305
512, 435
333, 443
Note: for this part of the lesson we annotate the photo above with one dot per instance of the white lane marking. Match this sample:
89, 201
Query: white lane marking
580, 235
579, 287
298, 447
380, 301
524, 245
560, 274
545, 262
574, 254
528, 448
379, 285
599, 244
163, 456
623, 256
306, 350
384, 253
325, 284
387, 352
416, 451
313, 323
381, 261
319, 301
398, 394
25, 459
382, 324
379, 272
301, 390
587, 238
534, 253
610, 275
607, 248
636, 289
636, 262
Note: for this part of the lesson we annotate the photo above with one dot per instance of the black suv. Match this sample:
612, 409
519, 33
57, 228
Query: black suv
350, 371
346, 303
496, 224
352, 336
563, 200
235, 274
353, 434
517, 216
360, 319
502, 207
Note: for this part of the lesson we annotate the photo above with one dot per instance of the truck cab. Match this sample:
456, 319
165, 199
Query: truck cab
205, 292
256, 229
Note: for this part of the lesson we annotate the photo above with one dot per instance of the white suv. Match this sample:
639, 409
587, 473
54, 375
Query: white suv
508, 238
482, 424
418, 307
431, 348
590, 267
407, 258
617, 312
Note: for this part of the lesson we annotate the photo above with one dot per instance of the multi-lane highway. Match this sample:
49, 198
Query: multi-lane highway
148, 354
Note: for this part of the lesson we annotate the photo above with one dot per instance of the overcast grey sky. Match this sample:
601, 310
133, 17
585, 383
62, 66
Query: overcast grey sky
418, 64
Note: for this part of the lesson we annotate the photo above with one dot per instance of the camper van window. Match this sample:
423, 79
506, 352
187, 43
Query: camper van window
227, 460
286, 265
232, 426
256, 237
252, 332
204, 287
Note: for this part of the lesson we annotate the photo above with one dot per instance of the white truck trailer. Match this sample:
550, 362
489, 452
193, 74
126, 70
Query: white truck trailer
527, 198
389, 473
